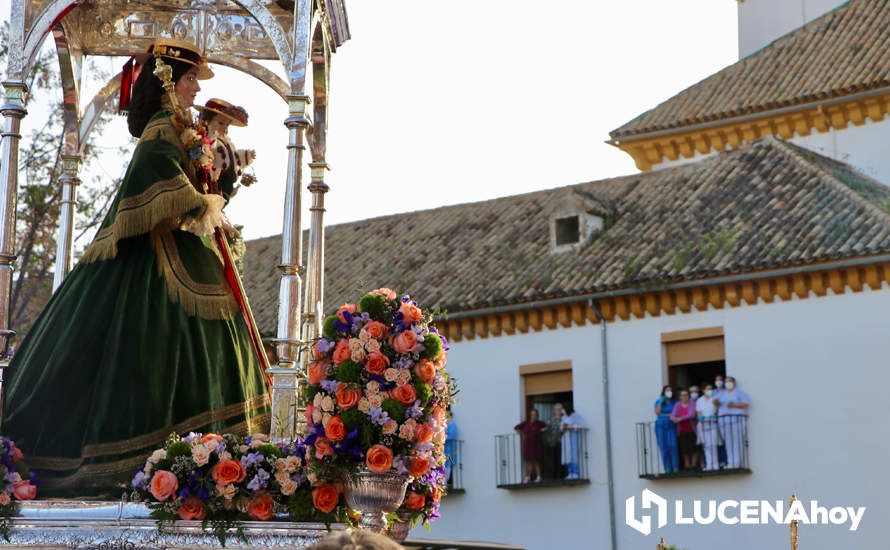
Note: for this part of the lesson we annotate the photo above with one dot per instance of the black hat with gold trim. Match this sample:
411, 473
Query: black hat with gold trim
236, 115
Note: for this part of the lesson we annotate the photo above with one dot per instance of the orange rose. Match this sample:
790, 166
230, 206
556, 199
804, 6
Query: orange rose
423, 433
425, 370
376, 363
441, 360
404, 394
334, 429
323, 448
342, 352
404, 342
436, 493
415, 501
192, 508
316, 372
379, 459
438, 416
260, 507
214, 437
410, 313
325, 497
419, 466
228, 471
23, 490
347, 396
376, 330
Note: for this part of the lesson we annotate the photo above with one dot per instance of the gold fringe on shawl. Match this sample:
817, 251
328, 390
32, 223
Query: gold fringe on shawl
140, 214
207, 301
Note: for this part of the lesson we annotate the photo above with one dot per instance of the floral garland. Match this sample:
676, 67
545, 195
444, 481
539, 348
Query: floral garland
378, 394
18, 483
222, 480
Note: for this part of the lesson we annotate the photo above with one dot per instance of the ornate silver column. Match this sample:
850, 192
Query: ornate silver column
69, 181
286, 374
13, 111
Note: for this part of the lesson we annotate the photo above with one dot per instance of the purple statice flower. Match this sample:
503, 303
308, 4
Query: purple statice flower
324, 345
378, 416
140, 480
259, 481
251, 459
444, 343
400, 464
415, 411
403, 363
439, 382
191, 438
330, 386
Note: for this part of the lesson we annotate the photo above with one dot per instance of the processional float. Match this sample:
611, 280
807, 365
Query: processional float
301, 34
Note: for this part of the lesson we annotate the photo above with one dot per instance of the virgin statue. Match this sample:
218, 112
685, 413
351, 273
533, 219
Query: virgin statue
149, 334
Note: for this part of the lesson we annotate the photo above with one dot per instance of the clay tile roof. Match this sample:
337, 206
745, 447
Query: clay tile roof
766, 205
845, 51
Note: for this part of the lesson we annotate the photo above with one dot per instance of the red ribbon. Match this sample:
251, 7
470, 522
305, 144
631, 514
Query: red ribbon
129, 74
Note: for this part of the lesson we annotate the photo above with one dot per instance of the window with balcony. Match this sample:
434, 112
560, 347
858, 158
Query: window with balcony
554, 452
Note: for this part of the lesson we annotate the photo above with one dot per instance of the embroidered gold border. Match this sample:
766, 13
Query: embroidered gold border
155, 437
208, 301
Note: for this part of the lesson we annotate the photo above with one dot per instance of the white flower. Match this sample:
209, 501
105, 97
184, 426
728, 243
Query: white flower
406, 431
211, 444
372, 345
372, 387
293, 463
225, 455
257, 440
243, 449
313, 479
288, 487
356, 345
201, 454
391, 374
364, 405
404, 377
327, 404
280, 465
364, 336
228, 492
316, 401
376, 400
325, 417
358, 355
316, 415
390, 427
281, 477
157, 456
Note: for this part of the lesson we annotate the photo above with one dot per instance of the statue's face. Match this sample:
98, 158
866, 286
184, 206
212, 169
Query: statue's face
187, 87
218, 126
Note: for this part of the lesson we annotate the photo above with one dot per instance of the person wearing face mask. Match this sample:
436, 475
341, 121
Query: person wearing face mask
708, 434
732, 419
666, 431
718, 391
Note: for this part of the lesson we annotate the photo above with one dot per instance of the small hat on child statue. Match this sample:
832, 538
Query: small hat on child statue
236, 115
179, 50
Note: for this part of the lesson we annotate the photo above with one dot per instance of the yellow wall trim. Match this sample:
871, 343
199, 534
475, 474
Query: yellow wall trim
670, 302
647, 152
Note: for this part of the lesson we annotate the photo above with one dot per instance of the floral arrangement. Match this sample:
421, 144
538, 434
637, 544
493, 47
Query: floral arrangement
224, 479
377, 398
18, 483
198, 146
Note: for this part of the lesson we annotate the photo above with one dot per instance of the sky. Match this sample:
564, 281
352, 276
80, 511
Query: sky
444, 102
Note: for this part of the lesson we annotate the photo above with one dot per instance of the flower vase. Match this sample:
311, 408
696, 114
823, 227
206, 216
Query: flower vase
375, 495
398, 530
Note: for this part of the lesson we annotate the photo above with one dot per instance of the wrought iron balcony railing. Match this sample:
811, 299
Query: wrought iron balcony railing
563, 463
715, 446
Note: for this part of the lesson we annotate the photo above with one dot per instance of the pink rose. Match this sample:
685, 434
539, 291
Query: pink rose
23, 490
405, 342
16, 454
163, 484
376, 330
387, 293
342, 352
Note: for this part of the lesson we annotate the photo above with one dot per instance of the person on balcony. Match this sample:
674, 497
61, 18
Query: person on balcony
450, 448
147, 335
552, 462
572, 444
683, 415
666, 431
531, 431
708, 434
733, 404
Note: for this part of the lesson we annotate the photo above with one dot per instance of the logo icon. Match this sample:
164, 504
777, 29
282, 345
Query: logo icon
644, 524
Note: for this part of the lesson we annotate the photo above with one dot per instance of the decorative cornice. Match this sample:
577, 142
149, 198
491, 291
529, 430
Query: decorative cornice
670, 302
650, 151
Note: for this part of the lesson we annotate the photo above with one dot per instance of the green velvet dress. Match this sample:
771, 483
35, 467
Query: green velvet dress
144, 338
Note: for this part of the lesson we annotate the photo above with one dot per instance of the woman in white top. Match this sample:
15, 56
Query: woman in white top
708, 435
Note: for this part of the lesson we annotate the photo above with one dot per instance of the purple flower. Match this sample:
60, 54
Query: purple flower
330, 386
251, 459
259, 481
140, 480
399, 464
324, 345
404, 363
439, 382
190, 438
379, 416
415, 411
